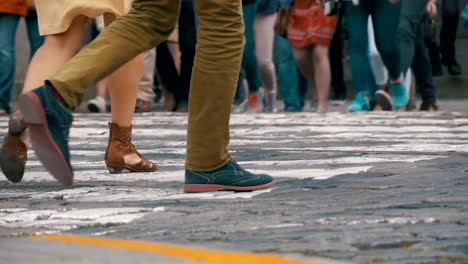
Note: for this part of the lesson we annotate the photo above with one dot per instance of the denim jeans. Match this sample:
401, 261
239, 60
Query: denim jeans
292, 85
8, 27
249, 59
385, 17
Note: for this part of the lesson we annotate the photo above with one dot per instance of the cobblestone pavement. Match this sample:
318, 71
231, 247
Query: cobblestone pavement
364, 188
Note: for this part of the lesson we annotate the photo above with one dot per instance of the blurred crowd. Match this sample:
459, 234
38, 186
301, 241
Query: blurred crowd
294, 50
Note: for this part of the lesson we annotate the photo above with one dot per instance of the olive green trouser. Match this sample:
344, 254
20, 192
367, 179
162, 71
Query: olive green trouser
214, 77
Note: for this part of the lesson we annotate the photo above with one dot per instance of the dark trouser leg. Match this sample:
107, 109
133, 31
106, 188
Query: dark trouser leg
385, 17
167, 70
187, 43
448, 33
422, 69
336, 61
35, 40
249, 59
287, 77
8, 26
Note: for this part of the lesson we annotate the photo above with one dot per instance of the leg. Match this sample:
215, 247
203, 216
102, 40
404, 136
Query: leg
249, 60
35, 39
264, 36
56, 51
322, 76
124, 84
287, 77
448, 35
336, 61
216, 69
148, 23
385, 17
8, 26
422, 69
362, 78
356, 18
187, 45
146, 95
169, 77
128, 35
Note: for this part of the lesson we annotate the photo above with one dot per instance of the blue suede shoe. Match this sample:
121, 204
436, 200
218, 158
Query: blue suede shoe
49, 123
360, 104
230, 177
399, 95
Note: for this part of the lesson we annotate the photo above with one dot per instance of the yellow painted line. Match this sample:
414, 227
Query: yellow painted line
181, 252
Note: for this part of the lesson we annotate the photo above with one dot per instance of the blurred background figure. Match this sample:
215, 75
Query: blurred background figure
310, 33
11, 12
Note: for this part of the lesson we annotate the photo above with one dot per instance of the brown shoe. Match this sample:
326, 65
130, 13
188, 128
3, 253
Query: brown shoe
143, 106
14, 152
121, 153
429, 106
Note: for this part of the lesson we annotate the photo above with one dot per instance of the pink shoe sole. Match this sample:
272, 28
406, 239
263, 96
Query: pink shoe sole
198, 188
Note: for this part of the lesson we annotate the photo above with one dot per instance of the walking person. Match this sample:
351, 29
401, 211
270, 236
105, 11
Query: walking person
209, 166
11, 11
385, 16
64, 22
310, 32
414, 53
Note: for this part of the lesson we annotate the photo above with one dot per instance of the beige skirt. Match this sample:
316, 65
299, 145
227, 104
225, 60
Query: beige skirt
56, 16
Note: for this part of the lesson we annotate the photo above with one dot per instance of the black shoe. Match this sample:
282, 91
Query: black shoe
454, 69
49, 123
230, 177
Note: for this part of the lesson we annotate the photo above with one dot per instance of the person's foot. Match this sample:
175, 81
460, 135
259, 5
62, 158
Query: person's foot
292, 109
230, 177
437, 71
454, 68
360, 104
254, 103
97, 105
269, 101
399, 95
383, 99
142, 106
14, 152
49, 123
121, 153
429, 106
181, 108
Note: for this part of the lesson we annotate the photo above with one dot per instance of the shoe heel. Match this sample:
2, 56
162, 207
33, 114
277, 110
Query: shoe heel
115, 169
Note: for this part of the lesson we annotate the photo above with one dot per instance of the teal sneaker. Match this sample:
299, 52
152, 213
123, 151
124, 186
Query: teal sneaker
360, 104
230, 177
399, 95
49, 123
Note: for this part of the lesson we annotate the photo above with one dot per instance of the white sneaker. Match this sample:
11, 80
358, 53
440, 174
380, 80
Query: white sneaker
97, 105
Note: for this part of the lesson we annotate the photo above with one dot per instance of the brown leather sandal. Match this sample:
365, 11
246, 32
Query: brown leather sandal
120, 150
14, 152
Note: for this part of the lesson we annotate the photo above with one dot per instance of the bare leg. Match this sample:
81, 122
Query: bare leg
264, 36
56, 51
304, 62
322, 76
124, 84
